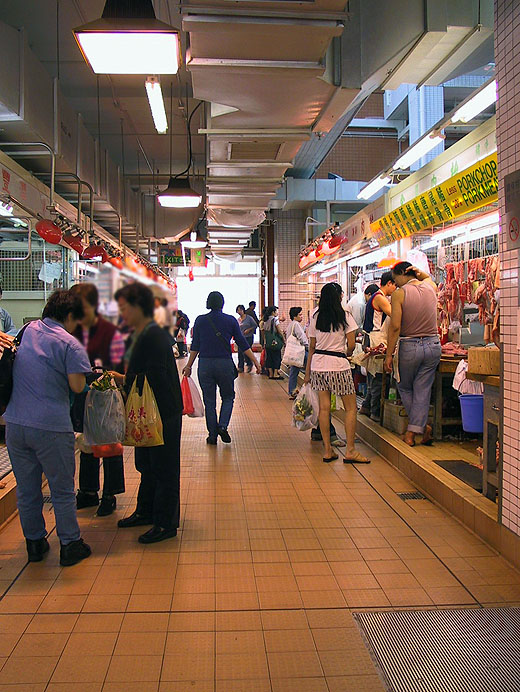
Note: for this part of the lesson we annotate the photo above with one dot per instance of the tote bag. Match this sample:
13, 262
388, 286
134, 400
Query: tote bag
294, 354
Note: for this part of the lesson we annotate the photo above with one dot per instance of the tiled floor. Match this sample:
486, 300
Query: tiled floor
256, 593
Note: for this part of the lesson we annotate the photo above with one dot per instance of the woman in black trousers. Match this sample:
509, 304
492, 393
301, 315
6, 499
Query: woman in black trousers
158, 499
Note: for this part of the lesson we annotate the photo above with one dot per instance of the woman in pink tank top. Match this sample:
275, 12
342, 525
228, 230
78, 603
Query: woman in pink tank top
413, 328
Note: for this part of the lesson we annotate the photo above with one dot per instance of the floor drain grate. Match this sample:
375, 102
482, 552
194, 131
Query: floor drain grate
416, 495
463, 650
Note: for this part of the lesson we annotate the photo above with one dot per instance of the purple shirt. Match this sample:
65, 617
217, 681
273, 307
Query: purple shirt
46, 356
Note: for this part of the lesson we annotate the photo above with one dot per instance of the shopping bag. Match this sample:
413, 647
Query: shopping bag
306, 408
294, 354
198, 406
144, 426
104, 421
107, 451
187, 401
263, 356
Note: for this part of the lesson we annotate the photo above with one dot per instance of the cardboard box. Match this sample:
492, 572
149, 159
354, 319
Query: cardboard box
484, 360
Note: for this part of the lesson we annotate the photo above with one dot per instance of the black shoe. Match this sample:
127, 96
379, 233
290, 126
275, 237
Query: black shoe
134, 519
211, 440
316, 436
156, 534
106, 506
224, 435
86, 500
37, 549
74, 552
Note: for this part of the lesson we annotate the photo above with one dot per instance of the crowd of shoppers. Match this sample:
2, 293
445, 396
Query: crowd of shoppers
58, 355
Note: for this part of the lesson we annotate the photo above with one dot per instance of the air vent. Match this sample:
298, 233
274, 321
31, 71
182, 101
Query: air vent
412, 496
254, 151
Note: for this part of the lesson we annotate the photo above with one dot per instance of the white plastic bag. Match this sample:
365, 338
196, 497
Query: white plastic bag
104, 422
198, 406
306, 408
294, 354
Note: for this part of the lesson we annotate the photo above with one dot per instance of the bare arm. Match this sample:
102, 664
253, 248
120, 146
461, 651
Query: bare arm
351, 343
249, 353
395, 327
421, 276
187, 370
77, 382
383, 304
312, 348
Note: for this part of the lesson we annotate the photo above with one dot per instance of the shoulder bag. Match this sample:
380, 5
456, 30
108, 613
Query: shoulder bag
228, 345
273, 340
294, 354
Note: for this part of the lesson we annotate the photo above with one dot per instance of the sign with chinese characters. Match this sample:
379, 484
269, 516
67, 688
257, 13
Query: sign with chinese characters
511, 226
470, 189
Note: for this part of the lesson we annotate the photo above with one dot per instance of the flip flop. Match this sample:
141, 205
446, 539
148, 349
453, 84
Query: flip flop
403, 438
327, 460
429, 441
358, 459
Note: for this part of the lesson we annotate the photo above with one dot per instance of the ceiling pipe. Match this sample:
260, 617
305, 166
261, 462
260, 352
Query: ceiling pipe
53, 161
81, 183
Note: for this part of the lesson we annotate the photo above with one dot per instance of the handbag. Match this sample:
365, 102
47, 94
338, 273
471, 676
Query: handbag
228, 345
6, 369
144, 426
294, 354
273, 340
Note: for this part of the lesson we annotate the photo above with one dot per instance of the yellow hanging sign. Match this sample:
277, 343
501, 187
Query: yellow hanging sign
472, 188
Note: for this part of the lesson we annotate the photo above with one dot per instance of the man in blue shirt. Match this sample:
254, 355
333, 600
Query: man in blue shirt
212, 334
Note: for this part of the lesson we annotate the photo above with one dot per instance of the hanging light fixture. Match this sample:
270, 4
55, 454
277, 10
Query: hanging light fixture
155, 99
193, 243
179, 194
128, 39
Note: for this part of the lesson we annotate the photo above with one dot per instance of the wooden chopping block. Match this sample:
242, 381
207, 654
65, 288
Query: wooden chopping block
484, 360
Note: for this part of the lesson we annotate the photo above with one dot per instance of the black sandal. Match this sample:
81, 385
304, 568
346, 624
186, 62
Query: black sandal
327, 460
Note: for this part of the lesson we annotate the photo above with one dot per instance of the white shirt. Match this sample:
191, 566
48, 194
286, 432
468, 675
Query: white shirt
331, 341
296, 330
356, 306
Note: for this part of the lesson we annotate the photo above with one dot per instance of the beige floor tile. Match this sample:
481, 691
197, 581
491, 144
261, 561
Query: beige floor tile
106, 604
189, 686
323, 599
145, 622
78, 687
31, 587
408, 597
450, 595
192, 622
369, 598
73, 668
283, 641
52, 623
316, 684
242, 666
189, 642
193, 602
240, 642
27, 687
95, 643
134, 668
142, 686
20, 604
140, 644
294, 664
30, 645
270, 600
236, 601
185, 667
150, 603
262, 685
14, 623
347, 662
337, 638
98, 622
284, 620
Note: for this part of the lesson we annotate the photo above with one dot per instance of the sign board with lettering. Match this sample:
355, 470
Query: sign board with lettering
172, 257
470, 189
511, 225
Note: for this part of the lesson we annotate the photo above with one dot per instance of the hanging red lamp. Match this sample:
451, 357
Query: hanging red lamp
116, 262
49, 231
95, 252
75, 242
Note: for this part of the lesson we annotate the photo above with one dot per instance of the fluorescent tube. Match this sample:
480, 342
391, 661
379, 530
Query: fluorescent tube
155, 99
417, 151
373, 187
478, 103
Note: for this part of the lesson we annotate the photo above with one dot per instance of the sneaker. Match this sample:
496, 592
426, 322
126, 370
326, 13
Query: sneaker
74, 552
106, 506
86, 500
36, 549
224, 435
292, 396
336, 441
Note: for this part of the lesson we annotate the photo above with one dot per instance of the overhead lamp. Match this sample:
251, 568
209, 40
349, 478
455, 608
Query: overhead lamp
374, 186
128, 39
193, 243
156, 101
476, 104
418, 150
179, 195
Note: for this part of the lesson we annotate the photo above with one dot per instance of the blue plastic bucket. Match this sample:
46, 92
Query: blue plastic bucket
472, 409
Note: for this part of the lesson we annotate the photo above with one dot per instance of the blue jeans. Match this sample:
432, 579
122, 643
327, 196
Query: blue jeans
241, 358
418, 361
213, 373
372, 400
33, 452
293, 374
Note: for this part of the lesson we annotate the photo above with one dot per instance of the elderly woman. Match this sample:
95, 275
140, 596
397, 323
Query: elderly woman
158, 499
212, 334
49, 363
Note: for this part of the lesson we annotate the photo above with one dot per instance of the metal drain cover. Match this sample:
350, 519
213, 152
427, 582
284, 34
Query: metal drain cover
465, 650
416, 495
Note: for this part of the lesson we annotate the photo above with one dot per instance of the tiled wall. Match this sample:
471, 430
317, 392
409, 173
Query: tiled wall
507, 56
289, 236
358, 158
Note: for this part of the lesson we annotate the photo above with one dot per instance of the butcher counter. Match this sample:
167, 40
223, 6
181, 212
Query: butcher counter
443, 379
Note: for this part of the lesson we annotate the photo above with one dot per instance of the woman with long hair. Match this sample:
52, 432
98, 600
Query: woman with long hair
274, 340
332, 336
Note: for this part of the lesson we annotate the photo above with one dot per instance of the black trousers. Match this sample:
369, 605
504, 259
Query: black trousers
113, 474
159, 490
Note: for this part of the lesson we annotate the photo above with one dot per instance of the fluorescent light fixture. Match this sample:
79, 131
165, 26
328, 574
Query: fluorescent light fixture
329, 272
417, 151
476, 104
471, 236
156, 101
374, 186
128, 39
179, 195
193, 243
429, 245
